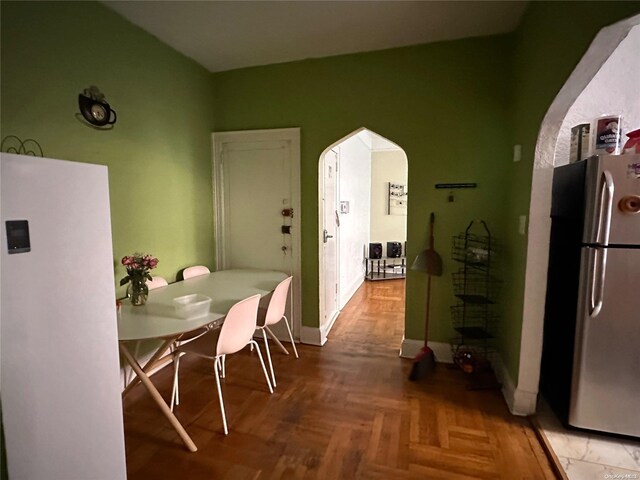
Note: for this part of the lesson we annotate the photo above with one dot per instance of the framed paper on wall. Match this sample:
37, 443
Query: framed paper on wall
397, 199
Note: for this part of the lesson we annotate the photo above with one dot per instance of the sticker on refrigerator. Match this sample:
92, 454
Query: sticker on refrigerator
607, 135
18, 240
633, 170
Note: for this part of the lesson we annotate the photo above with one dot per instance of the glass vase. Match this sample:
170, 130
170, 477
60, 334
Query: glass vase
138, 291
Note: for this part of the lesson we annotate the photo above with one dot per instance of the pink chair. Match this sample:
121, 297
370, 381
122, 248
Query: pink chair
157, 282
272, 315
188, 272
236, 333
195, 271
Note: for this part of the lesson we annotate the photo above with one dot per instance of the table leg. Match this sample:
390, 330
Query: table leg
150, 364
158, 399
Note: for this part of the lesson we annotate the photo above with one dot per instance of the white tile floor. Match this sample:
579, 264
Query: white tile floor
590, 456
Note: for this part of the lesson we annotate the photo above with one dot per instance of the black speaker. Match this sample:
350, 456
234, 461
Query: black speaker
375, 250
394, 249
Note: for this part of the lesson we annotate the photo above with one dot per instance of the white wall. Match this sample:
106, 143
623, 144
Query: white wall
613, 90
387, 166
354, 173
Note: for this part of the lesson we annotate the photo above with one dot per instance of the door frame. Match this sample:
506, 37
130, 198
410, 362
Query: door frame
325, 328
319, 337
291, 135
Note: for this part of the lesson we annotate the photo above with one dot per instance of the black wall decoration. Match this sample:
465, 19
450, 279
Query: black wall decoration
95, 109
12, 144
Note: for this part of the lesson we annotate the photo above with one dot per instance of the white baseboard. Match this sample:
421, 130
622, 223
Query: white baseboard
524, 403
312, 336
520, 402
317, 336
324, 331
352, 290
410, 349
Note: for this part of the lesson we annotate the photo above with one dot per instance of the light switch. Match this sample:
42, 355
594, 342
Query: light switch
522, 225
517, 153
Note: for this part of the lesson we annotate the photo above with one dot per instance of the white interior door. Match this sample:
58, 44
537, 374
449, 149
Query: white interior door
329, 237
256, 177
256, 189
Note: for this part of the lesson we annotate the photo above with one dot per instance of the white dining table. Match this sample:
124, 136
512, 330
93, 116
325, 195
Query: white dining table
157, 319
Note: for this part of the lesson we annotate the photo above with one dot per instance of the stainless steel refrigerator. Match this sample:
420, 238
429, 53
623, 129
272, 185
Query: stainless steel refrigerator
592, 319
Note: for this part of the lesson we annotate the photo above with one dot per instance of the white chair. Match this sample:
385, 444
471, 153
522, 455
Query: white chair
195, 271
236, 333
272, 315
157, 282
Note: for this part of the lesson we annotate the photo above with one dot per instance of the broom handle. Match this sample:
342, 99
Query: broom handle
431, 222
426, 317
426, 320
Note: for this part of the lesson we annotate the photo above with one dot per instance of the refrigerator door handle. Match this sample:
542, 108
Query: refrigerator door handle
597, 281
606, 206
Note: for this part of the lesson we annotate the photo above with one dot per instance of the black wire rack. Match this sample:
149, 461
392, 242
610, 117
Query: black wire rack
474, 318
474, 322
475, 286
473, 250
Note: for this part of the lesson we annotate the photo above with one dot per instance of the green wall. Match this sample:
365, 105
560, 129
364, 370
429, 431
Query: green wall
455, 107
548, 45
445, 104
158, 154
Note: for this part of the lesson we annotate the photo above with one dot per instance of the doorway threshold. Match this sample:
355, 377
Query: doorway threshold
582, 454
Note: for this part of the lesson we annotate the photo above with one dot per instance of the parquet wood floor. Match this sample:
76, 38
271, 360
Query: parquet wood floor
343, 411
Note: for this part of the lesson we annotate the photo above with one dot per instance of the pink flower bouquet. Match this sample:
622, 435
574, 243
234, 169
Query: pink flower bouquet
138, 266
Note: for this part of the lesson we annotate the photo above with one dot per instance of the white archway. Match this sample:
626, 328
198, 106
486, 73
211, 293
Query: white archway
319, 336
523, 399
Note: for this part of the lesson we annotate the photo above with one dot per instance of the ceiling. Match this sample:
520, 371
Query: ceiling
375, 142
225, 35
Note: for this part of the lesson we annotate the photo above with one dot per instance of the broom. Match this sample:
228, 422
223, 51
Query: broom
428, 261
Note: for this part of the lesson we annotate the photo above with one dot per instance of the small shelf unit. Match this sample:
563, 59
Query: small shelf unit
475, 289
385, 268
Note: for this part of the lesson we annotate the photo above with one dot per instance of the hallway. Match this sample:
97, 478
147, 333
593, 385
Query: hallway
342, 411
373, 318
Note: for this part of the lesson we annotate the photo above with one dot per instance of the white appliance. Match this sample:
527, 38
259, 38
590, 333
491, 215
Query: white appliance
60, 390
592, 320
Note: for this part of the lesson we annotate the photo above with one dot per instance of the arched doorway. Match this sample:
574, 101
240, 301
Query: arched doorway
354, 210
546, 158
